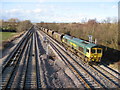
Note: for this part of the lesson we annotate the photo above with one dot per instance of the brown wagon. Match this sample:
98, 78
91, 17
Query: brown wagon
46, 30
50, 32
58, 36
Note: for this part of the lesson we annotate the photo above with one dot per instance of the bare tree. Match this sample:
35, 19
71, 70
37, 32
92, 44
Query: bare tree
13, 20
24, 25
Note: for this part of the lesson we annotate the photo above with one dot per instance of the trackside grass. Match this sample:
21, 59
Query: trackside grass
7, 35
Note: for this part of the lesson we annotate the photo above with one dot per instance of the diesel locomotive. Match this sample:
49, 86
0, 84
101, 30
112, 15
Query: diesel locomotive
89, 52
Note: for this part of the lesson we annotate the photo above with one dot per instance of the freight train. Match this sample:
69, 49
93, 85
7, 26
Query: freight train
89, 52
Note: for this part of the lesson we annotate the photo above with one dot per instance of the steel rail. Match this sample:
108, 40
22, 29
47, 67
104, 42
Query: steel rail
86, 72
106, 77
25, 66
18, 76
78, 72
118, 73
42, 81
30, 79
11, 55
15, 64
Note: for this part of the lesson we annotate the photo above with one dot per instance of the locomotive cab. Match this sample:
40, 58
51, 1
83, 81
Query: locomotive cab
95, 54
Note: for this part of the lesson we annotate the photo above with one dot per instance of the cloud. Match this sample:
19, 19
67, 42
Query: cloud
37, 10
12, 11
114, 6
20, 13
51, 12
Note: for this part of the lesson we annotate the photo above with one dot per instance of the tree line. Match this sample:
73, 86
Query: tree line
14, 25
105, 33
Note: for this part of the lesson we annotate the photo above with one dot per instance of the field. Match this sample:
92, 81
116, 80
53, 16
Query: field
6, 35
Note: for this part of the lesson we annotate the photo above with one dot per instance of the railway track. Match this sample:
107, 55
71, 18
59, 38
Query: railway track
19, 78
14, 52
10, 67
108, 81
30, 76
80, 72
110, 70
22, 69
41, 77
107, 75
88, 80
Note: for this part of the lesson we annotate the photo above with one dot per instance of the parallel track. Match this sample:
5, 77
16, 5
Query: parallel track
22, 69
110, 81
10, 67
89, 80
110, 70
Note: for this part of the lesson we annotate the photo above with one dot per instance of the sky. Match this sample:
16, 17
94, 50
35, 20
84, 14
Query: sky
58, 10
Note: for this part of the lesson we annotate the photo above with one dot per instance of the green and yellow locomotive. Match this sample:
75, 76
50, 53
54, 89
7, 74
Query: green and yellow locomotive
88, 51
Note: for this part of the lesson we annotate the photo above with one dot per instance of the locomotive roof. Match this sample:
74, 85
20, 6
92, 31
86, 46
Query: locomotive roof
80, 42
67, 37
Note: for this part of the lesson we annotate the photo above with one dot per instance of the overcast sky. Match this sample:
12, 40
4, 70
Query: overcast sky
58, 10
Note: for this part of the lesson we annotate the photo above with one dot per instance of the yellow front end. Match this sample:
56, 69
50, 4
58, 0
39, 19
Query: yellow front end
96, 54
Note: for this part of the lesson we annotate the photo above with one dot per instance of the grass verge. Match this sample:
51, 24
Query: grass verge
7, 35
